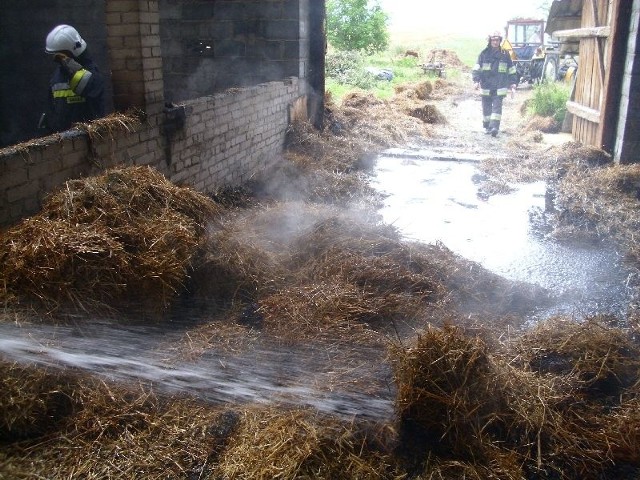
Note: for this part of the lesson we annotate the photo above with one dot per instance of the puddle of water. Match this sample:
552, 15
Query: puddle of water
437, 201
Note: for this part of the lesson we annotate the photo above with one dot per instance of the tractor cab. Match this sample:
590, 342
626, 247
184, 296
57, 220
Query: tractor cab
524, 41
526, 38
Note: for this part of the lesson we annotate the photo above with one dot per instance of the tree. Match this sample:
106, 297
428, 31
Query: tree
357, 25
544, 7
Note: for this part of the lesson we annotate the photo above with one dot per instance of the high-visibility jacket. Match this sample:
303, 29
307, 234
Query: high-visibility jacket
495, 71
75, 98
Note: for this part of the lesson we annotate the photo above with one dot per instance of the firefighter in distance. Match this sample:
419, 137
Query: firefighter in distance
495, 74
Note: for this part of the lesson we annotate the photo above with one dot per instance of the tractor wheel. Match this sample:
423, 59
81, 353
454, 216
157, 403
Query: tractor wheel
550, 69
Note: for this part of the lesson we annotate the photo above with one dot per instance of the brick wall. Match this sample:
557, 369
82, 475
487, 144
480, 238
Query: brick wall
226, 139
627, 148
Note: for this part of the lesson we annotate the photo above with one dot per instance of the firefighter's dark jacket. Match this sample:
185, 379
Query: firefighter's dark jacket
495, 70
75, 98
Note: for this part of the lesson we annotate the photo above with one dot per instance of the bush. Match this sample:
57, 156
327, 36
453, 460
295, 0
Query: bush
549, 100
347, 67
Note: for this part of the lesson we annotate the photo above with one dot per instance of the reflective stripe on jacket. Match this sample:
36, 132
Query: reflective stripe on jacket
494, 70
75, 98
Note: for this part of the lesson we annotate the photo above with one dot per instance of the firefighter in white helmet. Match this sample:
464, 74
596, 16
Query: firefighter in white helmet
76, 87
495, 74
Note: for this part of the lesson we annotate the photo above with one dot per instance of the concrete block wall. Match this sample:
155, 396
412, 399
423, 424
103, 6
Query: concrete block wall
26, 68
627, 148
206, 142
211, 46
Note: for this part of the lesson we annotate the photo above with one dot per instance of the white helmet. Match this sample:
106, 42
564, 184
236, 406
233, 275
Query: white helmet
65, 38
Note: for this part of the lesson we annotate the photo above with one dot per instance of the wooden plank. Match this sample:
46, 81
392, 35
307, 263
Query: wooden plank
586, 113
597, 16
594, 12
609, 110
584, 32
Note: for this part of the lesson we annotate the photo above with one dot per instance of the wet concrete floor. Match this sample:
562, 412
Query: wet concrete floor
438, 201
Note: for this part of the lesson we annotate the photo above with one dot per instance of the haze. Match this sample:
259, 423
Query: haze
470, 17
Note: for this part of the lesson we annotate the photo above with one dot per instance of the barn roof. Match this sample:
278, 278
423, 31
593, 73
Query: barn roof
565, 15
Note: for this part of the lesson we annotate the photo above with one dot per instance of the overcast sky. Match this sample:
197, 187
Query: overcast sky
476, 17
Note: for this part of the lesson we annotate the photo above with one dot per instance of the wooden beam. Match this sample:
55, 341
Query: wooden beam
581, 111
617, 52
594, 8
587, 32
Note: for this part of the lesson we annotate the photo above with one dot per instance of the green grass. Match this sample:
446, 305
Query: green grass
467, 49
407, 69
549, 100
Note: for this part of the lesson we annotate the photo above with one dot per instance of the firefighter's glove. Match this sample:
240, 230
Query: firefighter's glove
69, 64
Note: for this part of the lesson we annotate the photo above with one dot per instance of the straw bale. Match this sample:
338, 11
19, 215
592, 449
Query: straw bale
574, 157
320, 167
497, 465
602, 358
403, 283
320, 310
260, 250
123, 194
428, 114
233, 265
489, 187
117, 432
395, 265
53, 261
543, 423
235, 196
475, 291
226, 333
33, 401
360, 100
108, 126
519, 166
383, 126
447, 398
350, 231
543, 124
621, 430
301, 444
311, 149
127, 235
317, 186
448, 57
249, 251
382, 123
603, 201
443, 89
456, 397
419, 90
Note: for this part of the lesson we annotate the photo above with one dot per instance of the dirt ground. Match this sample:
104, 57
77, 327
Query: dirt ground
463, 130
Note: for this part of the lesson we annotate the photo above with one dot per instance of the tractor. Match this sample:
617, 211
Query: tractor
535, 62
